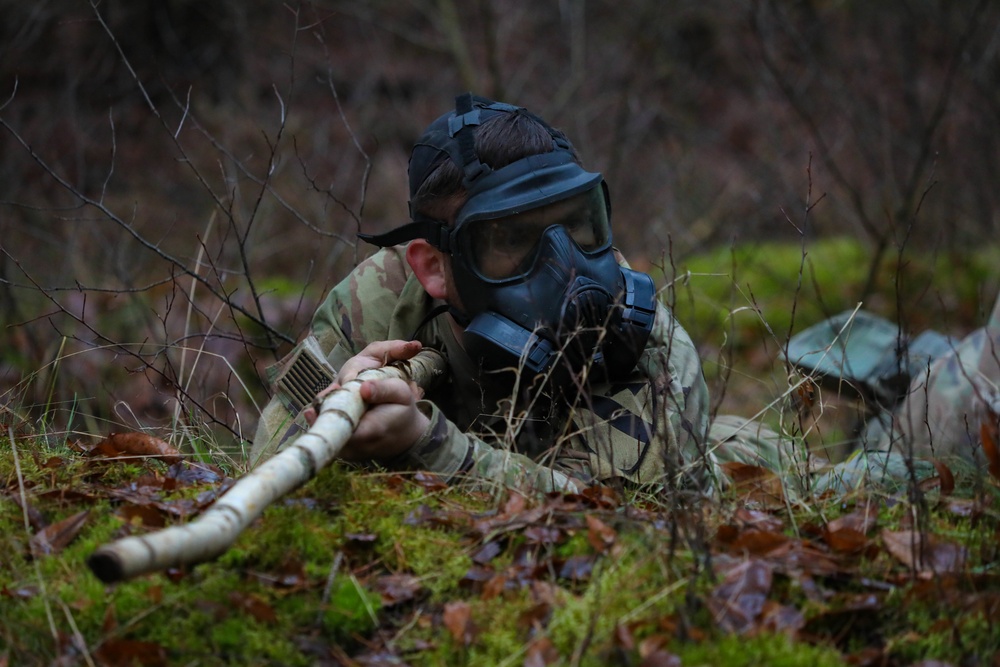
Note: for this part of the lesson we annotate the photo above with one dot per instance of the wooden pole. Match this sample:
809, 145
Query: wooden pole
209, 535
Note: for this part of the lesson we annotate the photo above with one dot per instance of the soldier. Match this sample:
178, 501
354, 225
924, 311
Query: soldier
937, 398
565, 369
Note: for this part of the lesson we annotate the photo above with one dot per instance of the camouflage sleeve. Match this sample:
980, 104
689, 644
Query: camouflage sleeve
378, 300
446, 450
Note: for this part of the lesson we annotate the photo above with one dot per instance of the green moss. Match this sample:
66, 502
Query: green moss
774, 650
748, 293
238, 610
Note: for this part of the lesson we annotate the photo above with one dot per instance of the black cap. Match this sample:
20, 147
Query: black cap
533, 181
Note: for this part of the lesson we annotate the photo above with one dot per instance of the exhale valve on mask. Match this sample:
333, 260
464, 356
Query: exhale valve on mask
531, 255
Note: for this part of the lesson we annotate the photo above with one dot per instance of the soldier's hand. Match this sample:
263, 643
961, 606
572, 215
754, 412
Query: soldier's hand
376, 355
392, 422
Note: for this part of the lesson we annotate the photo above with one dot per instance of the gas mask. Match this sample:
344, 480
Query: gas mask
531, 256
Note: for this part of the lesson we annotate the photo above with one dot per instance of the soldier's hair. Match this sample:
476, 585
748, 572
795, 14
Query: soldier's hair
500, 140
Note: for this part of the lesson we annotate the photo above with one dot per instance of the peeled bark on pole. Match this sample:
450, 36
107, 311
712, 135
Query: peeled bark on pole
209, 535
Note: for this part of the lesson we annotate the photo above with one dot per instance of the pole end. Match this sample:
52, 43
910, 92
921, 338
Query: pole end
106, 565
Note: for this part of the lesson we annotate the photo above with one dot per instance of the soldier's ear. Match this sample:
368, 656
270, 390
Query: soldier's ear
429, 265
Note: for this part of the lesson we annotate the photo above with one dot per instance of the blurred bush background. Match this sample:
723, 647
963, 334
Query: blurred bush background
181, 181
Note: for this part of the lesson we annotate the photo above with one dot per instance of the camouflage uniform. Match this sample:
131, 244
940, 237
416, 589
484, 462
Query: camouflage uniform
645, 429
938, 418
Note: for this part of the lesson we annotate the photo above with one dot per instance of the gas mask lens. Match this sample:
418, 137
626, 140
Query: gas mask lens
506, 248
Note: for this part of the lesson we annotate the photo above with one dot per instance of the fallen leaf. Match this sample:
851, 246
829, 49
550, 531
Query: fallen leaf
924, 553
110, 620
781, 618
475, 576
738, 601
136, 444
601, 536
660, 658
457, 618
487, 552
603, 497
945, 478
541, 652
861, 520
651, 644
989, 432
397, 588
494, 587
751, 518
623, 637
577, 568
193, 472
536, 616
429, 481
755, 484
845, 540
128, 652
146, 514
57, 537
758, 542
254, 605
516, 504
542, 534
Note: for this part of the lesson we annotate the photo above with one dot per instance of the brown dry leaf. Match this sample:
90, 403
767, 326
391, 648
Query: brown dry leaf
660, 658
945, 478
751, 518
536, 616
989, 431
57, 537
487, 552
429, 481
542, 535
623, 637
861, 520
129, 652
603, 497
541, 652
110, 620
781, 618
457, 618
845, 540
758, 542
137, 444
924, 553
515, 505
397, 588
738, 601
147, 515
494, 587
254, 605
755, 484
600, 535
